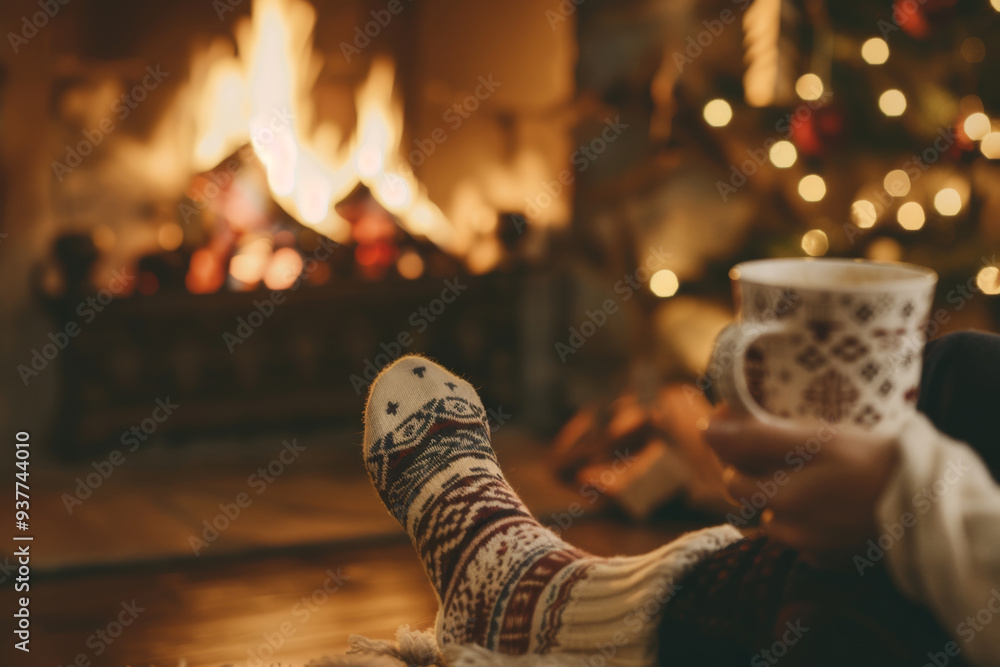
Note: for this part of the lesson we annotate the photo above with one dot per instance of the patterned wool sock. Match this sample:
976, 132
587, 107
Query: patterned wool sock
504, 581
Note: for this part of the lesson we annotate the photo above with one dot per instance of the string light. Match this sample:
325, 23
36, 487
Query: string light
948, 201
875, 51
990, 146
892, 102
815, 242
897, 183
812, 187
809, 87
664, 283
996, 4
988, 280
911, 216
783, 154
718, 113
863, 213
977, 126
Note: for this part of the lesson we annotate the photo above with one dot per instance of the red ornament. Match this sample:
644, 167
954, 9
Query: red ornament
820, 131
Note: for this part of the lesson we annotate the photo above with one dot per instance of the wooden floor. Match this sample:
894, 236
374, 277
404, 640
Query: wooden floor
313, 560
301, 604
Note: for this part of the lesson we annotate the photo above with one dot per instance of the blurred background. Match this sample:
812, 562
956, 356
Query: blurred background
222, 218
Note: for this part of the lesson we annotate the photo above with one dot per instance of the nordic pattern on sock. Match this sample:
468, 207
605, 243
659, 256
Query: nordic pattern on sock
503, 580
487, 557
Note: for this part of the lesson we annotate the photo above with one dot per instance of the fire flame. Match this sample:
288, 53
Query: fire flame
263, 97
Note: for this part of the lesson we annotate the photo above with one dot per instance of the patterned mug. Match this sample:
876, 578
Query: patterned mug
825, 339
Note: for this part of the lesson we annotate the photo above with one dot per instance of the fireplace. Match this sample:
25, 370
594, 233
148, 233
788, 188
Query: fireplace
254, 206
275, 198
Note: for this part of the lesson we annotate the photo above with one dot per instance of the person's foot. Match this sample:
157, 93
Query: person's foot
504, 581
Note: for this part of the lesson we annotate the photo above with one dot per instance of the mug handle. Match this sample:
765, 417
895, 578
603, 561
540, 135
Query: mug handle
729, 354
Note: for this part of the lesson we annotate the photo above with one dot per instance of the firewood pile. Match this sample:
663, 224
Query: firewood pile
643, 454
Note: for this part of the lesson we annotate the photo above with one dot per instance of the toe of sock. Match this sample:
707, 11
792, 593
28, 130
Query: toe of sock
406, 386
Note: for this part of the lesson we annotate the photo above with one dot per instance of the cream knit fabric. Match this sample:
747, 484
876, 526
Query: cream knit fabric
941, 519
505, 582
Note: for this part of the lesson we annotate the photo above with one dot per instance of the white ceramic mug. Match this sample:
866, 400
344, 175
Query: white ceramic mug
825, 339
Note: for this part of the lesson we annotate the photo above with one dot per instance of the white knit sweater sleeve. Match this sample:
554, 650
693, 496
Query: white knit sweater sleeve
940, 516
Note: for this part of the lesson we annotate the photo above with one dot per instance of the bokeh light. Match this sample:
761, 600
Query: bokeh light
911, 216
284, 269
815, 242
897, 183
948, 201
410, 265
863, 213
718, 113
783, 154
664, 283
988, 280
812, 187
875, 51
170, 236
892, 102
809, 87
977, 126
990, 146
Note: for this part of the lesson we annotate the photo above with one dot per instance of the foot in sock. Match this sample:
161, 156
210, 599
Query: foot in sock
504, 581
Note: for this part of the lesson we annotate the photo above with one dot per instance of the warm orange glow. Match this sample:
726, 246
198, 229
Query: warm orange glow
264, 98
284, 269
250, 262
170, 236
205, 273
410, 265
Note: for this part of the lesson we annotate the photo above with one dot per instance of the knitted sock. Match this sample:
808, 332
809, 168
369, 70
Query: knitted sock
504, 581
